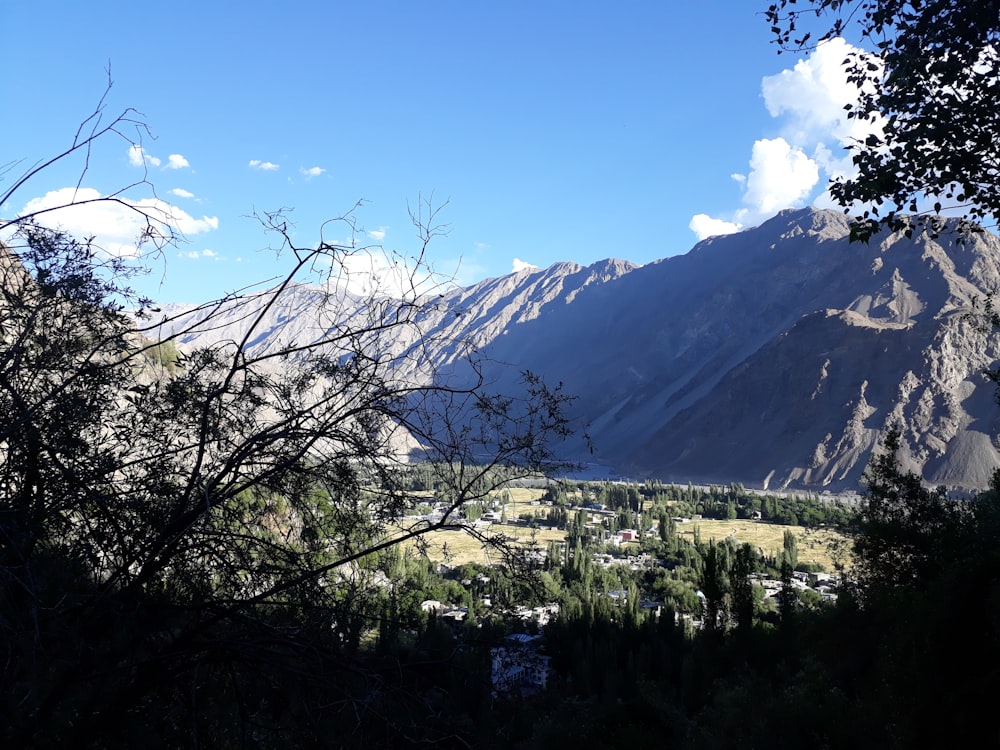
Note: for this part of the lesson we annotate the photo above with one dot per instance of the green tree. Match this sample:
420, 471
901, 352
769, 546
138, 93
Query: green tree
666, 527
790, 547
715, 586
926, 76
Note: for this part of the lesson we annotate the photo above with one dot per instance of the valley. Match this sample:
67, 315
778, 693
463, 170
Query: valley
775, 357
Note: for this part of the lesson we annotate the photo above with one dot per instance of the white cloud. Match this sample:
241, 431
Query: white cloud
808, 100
812, 95
781, 176
182, 193
378, 234
311, 172
811, 98
266, 166
196, 254
704, 226
522, 265
137, 157
374, 272
116, 225
176, 161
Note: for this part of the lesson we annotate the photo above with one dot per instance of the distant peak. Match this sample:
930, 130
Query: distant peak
563, 267
825, 221
607, 268
614, 265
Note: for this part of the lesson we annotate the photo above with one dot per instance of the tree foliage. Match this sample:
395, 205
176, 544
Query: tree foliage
928, 78
195, 543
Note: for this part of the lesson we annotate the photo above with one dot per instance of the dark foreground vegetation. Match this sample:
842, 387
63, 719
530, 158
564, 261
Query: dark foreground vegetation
205, 549
265, 630
908, 655
222, 548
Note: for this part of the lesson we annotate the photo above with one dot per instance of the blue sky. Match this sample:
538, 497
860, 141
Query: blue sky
555, 131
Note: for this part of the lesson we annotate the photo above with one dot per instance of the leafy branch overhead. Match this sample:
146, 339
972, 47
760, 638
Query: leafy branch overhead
928, 79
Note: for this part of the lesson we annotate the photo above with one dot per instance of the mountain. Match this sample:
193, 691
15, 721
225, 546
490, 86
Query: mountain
776, 356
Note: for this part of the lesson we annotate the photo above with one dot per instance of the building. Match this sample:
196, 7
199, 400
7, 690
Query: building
519, 667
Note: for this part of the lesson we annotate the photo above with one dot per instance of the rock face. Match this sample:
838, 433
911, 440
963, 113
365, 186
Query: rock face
776, 357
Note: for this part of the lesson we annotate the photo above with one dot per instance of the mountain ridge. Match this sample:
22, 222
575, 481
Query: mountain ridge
777, 357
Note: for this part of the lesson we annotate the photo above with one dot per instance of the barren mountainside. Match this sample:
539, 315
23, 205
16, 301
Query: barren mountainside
775, 357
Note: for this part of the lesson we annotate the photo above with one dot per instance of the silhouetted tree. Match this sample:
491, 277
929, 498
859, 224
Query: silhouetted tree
197, 551
926, 78
742, 588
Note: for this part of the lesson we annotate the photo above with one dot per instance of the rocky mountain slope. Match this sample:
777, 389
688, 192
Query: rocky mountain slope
775, 357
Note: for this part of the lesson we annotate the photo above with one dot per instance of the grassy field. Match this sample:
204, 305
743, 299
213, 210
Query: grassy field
519, 501
813, 545
459, 548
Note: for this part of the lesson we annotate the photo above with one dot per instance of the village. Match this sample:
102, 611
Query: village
628, 562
